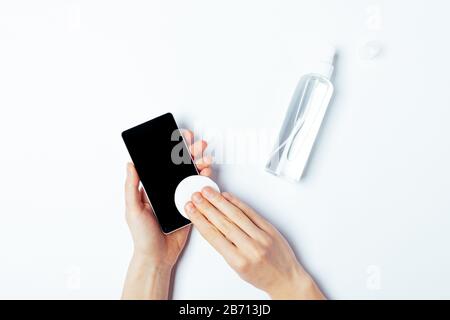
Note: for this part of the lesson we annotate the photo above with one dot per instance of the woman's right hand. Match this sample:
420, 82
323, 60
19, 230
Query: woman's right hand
250, 245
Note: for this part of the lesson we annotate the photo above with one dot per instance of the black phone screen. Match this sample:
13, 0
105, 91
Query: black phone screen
162, 160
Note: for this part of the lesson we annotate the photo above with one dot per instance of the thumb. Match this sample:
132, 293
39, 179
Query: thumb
132, 195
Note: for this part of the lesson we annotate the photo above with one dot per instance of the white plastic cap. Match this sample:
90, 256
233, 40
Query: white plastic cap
326, 56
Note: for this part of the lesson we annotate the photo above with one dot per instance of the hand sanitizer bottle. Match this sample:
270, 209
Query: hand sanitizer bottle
303, 120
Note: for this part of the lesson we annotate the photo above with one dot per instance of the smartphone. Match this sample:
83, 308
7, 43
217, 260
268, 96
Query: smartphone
162, 159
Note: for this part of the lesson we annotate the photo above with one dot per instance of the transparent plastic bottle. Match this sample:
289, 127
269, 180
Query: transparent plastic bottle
303, 120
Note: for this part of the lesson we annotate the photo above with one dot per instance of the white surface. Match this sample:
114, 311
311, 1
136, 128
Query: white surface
189, 186
371, 218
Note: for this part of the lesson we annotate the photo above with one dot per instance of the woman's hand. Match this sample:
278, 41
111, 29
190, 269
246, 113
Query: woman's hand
155, 253
250, 245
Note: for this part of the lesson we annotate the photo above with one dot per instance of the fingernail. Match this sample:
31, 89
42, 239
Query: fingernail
208, 192
197, 197
189, 207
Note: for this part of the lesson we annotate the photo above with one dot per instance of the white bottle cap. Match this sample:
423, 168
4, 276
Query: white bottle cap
325, 65
187, 187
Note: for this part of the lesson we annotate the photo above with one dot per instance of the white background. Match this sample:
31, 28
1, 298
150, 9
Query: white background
370, 219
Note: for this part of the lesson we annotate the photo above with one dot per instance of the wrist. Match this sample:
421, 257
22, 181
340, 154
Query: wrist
148, 263
147, 279
298, 285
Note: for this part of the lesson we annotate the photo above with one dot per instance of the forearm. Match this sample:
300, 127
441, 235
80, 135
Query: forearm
146, 281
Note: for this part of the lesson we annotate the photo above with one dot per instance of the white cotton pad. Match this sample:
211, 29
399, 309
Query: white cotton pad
187, 187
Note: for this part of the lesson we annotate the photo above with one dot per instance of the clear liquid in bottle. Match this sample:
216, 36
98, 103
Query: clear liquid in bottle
302, 122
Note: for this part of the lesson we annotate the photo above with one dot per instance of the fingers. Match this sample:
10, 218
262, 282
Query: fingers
197, 148
207, 172
188, 136
230, 230
251, 214
203, 166
203, 163
132, 195
232, 212
211, 234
